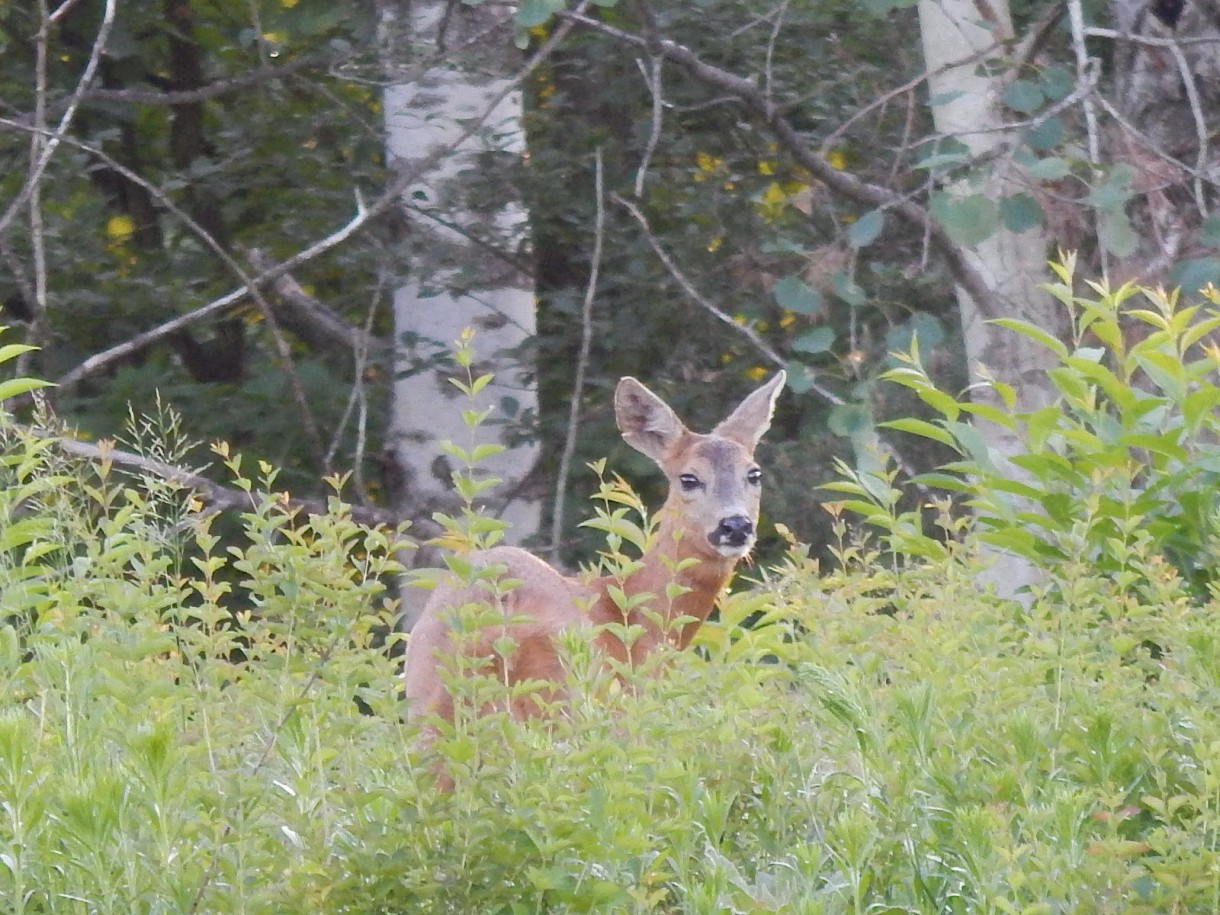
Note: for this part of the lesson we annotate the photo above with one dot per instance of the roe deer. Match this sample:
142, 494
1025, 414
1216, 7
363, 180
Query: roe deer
705, 526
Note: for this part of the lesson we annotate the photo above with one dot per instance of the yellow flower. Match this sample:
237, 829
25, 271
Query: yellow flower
120, 228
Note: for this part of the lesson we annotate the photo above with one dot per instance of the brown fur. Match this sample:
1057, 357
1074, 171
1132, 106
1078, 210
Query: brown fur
546, 603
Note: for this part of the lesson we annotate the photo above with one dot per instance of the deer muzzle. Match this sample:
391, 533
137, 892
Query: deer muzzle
734, 534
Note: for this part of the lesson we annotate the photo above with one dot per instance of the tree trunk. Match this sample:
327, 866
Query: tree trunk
1013, 264
1169, 99
467, 233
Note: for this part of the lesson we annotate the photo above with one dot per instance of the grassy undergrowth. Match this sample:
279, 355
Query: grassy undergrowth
891, 741
187, 726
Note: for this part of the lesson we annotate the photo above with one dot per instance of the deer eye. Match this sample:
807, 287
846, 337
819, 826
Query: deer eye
754, 476
690, 482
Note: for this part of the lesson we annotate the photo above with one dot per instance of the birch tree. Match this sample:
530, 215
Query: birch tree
456, 122
966, 105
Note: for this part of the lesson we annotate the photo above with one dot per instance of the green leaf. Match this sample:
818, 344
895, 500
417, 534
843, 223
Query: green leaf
987, 411
864, 231
15, 387
1024, 96
1057, 82
921, 327
1157, 444
850, 420
940, 402
947, 153
1113, 192
921, 428
1115, 233
967, 220
1194, 274
1020, 213
793, 294
847, 290
818, 340
531, 13
1046, 135
1049, 340
1198, 405
1209, 233
1052, 168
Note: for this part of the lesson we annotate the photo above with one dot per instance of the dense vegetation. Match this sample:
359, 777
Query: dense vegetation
186, 727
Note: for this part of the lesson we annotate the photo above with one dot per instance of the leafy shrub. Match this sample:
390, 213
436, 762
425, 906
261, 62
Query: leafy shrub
180, 730
1125, 460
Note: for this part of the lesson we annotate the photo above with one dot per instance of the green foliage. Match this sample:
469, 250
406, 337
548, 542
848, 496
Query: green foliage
1124, 461
951, 753
879, 738
159, 748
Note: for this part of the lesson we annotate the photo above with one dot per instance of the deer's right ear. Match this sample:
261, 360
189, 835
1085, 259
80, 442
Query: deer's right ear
646, 421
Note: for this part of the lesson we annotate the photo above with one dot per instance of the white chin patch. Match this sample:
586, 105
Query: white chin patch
728, 551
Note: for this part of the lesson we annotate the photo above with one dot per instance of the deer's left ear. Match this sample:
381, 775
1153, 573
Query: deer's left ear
646, 421
747, 424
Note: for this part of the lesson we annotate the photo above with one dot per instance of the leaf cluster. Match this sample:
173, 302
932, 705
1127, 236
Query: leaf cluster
1124, 459
882, 737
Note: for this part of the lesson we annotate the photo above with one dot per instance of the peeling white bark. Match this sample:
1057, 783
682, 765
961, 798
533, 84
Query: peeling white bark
463, 273
955, 41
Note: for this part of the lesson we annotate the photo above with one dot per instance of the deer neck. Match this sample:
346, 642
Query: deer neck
666, 563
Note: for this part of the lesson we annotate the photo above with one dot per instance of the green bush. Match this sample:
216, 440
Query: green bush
1126, 459
192, 727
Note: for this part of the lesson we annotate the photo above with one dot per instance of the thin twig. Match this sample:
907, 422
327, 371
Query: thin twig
221, 498
282, 348
778, 15
1148, 143
56, 136
843, 183
364, 214
38, 241
62, 10
1076, 19
582, 358
653, 78
1150, 40
689, 288
1201, 130
357, 400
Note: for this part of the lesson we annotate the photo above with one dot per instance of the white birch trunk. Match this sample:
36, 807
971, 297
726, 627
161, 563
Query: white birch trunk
1013, 264
464, 273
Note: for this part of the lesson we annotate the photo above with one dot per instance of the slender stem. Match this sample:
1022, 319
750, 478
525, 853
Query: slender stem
582, 359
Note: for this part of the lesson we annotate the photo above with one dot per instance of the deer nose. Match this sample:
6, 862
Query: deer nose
735, 530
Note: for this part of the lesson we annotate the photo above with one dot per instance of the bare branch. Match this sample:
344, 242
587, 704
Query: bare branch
285, 354
38, 303
840, 182
357, 400
697, 297
653, 79
57, 136
222, 498
1150, 40
582, 359
309, 319
219, 87
1201, 128
384, 202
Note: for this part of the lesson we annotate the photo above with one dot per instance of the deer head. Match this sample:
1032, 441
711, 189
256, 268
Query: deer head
714, 482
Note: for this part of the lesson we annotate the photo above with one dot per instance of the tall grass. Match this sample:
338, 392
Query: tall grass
197, 724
